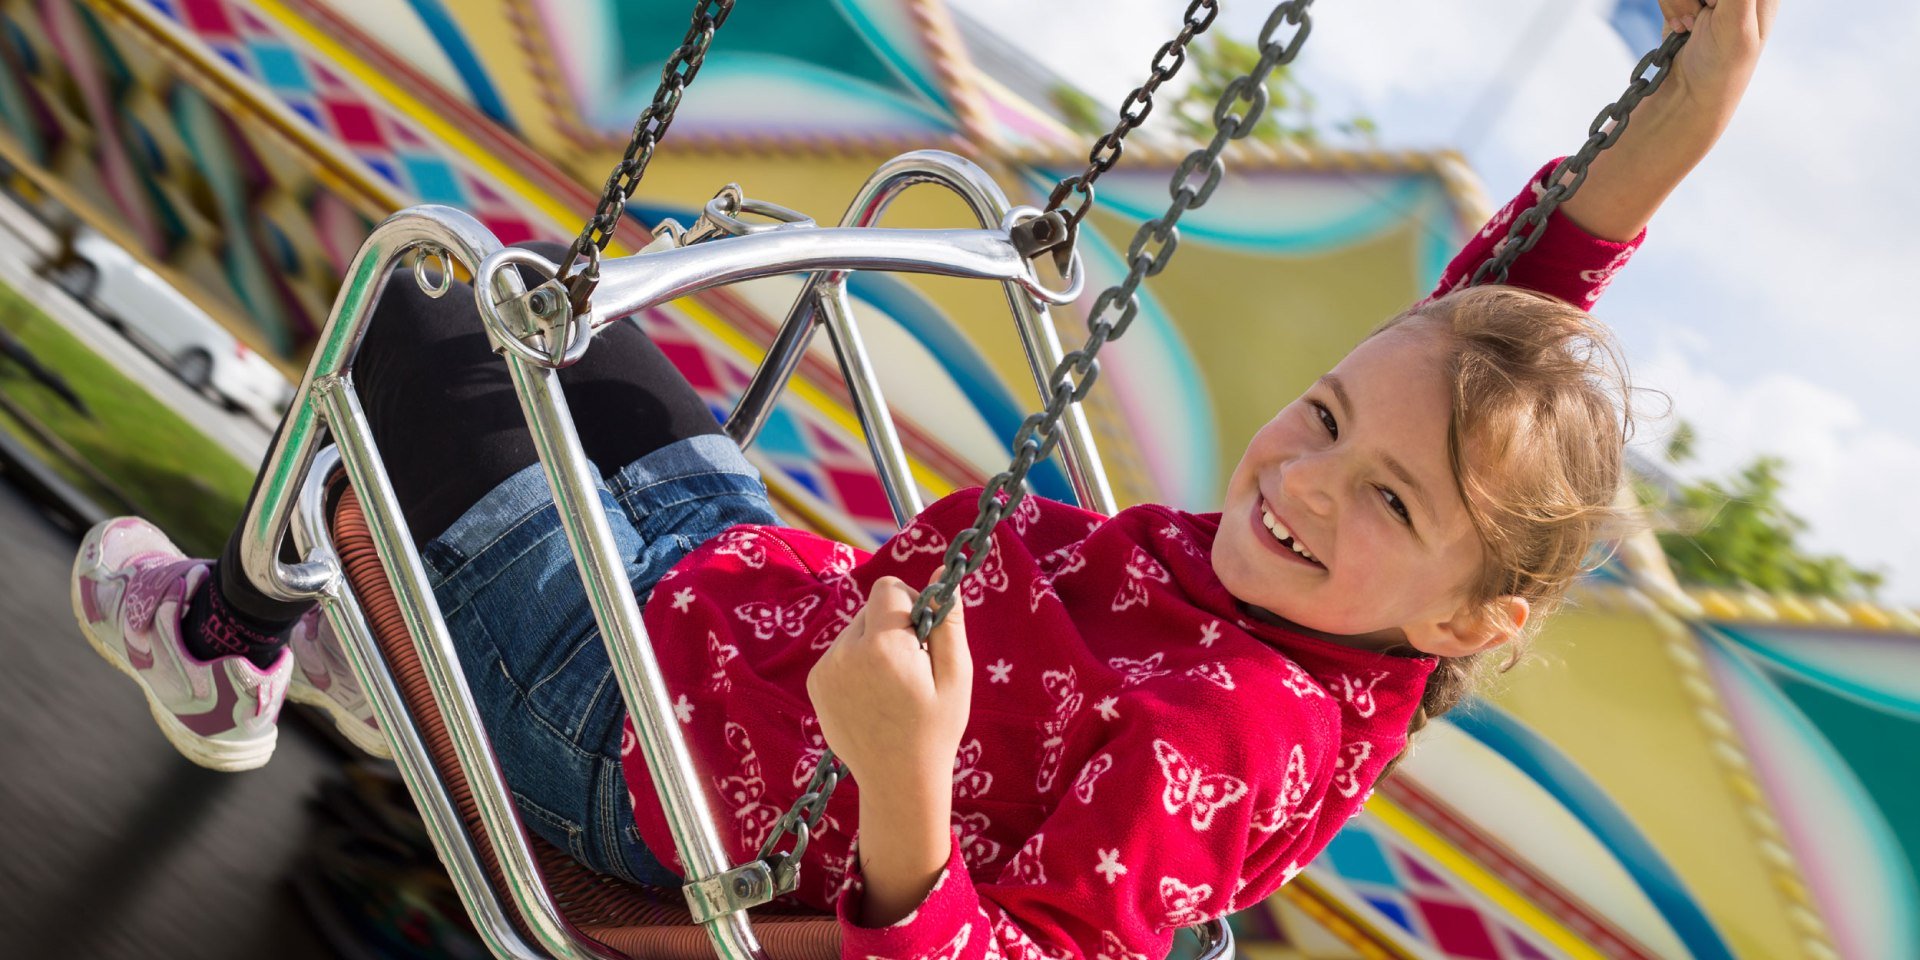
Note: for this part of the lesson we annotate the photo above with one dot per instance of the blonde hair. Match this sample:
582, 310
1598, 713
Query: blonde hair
1537, 442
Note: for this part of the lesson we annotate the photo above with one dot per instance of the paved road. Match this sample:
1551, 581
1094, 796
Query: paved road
111, 844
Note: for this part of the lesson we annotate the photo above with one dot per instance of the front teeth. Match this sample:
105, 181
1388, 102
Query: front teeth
1282, 534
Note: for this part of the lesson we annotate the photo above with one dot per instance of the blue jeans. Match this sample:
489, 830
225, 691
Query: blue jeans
507, 586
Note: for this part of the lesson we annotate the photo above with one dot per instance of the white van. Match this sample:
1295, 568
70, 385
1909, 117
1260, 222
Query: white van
173, 329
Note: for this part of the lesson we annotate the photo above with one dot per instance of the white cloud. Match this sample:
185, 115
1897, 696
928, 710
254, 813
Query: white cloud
1853, 482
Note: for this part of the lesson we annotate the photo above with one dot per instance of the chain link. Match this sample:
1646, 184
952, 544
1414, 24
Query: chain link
675, 77
1153, 244
1134, 111
1530, 226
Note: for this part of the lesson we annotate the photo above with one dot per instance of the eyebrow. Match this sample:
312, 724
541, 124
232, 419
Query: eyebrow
1398, 469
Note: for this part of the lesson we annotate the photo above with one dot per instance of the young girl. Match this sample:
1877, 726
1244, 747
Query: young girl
1127, 725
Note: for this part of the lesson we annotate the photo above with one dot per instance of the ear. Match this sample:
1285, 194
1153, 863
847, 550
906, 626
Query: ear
1473, 630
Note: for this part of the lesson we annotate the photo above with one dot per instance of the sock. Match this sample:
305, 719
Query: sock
212, 628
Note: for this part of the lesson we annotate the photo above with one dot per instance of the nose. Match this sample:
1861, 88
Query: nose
1310, 480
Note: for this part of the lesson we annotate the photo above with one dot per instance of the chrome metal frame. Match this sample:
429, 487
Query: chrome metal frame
295, 469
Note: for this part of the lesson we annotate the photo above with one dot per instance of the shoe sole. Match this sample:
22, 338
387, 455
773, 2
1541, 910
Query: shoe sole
364, 738
222, 755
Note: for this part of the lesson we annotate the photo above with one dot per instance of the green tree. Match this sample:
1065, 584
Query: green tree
1735, 532
1290, 114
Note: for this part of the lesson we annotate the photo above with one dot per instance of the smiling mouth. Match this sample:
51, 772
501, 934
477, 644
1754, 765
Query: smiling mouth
1284, 537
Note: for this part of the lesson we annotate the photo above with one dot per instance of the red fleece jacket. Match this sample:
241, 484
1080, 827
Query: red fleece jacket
1140, 756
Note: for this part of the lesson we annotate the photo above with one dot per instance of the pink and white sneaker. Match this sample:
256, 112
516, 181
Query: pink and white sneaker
130, 589
325, 679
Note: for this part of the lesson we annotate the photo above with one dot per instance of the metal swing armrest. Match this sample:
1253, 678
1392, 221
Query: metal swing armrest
326, 397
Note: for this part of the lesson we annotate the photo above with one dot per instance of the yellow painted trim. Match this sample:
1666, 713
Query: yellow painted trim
443, 130
1480, 879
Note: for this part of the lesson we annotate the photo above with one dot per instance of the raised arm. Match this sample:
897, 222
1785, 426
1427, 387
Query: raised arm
1591, 236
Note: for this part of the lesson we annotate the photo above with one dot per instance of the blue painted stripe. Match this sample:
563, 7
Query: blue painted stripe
1582, 797
454, 44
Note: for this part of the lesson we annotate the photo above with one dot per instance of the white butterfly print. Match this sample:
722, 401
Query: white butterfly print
720, 654
841, 610
968, 779
1015, 944
744, 544
1285, 812
1064, 688
1041, 589
1083, 784
815, 744
1213, 672
838, 566
1052, 752
916, 538
1138, 671
1141, 570
1603, 277
1299, 681
628, 742
1025, 865
951, 950
743, 791
1173, 534
1192, 789
1185, 905
768, 620
1346, 770
1111, 948
834, 873
991, 576
1358, 691
1063, 561
1026, 514
975, 849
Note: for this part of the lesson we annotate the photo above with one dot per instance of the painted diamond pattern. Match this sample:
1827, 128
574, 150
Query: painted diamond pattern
1411, 891
390, 145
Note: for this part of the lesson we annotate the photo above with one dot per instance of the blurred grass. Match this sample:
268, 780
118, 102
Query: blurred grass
171, 473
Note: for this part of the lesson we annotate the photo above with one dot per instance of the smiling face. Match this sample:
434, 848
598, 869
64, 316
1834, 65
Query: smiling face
1356, 474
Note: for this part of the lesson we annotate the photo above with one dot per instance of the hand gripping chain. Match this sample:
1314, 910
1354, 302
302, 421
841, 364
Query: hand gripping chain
1606, 128
1153, 244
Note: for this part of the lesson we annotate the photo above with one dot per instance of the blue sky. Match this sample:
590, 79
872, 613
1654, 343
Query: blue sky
1771, 300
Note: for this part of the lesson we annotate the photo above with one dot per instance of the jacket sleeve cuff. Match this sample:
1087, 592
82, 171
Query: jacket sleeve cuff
945, 922
1567, 262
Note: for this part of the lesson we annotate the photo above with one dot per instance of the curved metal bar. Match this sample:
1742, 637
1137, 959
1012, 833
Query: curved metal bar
326, 399
408, 577
449, 835
869, 403
265, 525
1037, 333
575, 486
634, 283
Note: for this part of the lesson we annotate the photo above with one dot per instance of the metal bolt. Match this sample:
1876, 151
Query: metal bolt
544, 301
743, 887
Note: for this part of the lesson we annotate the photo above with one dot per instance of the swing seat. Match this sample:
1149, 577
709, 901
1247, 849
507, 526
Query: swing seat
630, 920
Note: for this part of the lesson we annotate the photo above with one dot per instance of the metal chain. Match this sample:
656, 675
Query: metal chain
647, 133
1530, 226
1133, 112
1153, 244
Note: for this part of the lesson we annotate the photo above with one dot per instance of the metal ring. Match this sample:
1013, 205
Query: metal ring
1076, 276
436, 255
729, 222
578, 334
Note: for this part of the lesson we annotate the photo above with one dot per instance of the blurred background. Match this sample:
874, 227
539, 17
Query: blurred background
1712, 754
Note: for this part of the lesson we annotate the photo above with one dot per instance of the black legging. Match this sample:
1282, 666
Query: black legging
443, 412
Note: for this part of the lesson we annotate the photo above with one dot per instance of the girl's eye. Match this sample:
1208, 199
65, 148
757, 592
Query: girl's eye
1326, 419
1398, 506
